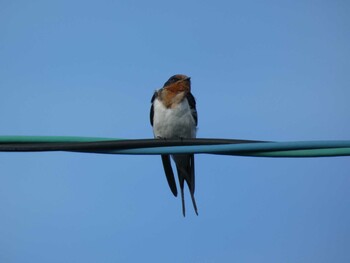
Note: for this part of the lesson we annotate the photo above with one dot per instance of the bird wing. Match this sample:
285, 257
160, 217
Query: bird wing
169, 173
192, 102
151, 113
165, 158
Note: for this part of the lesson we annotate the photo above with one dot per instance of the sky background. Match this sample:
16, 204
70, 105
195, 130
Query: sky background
264, 70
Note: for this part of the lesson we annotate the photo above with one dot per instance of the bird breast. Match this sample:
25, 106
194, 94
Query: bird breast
173, 122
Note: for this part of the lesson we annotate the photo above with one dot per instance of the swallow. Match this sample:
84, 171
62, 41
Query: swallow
173, 115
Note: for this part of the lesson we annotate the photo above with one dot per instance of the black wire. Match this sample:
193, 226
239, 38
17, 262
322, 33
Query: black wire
112, 145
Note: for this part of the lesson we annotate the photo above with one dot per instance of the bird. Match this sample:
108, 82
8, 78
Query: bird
173, 115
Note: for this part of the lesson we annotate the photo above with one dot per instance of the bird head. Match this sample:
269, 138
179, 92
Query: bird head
178, 83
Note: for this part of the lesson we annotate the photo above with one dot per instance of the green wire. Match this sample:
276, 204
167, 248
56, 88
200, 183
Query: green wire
258, 149
304, 153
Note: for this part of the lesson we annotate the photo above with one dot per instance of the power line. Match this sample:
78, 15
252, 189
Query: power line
235, 147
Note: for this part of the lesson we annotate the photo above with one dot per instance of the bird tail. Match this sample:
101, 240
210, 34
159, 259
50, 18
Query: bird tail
185, 171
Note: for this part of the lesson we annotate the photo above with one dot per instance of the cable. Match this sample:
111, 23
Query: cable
33, 143
257, 149
157, 146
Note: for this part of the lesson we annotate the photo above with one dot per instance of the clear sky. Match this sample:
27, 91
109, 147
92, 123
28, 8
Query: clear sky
264, 70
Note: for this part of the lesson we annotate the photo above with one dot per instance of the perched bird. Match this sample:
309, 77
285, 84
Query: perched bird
174, 116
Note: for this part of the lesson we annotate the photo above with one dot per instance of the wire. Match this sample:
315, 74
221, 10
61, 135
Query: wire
257, 149
155, 146
33, 143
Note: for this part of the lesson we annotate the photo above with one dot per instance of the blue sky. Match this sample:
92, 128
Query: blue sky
265, 70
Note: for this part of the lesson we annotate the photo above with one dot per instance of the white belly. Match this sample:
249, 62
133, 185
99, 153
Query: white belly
173, 123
